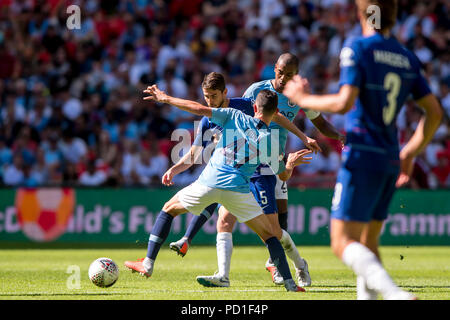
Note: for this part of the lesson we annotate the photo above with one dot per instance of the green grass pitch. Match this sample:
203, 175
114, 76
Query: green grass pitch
42, 274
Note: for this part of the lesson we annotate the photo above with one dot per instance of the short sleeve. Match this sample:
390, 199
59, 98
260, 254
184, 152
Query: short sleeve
250, 93
350, 64
221, 116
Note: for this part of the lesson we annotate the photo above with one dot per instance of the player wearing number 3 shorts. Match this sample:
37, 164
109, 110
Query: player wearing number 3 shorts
379, 74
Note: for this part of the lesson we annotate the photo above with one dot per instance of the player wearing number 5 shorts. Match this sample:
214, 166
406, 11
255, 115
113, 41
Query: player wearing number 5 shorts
377, 76
245, 144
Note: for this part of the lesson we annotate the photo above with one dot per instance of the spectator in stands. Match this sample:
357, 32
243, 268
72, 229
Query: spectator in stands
13, 174
92, 177
84, 86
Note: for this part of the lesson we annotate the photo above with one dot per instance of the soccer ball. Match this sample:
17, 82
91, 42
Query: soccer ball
103, 272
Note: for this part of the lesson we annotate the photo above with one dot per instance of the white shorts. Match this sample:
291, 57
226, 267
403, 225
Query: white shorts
196, 197
281, 190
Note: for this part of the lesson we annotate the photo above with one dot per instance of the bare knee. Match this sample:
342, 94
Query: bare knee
225, 222
169, 208
173, 207
338, 244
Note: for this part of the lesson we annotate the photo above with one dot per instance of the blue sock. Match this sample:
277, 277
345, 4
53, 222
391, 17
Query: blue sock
159, 233
278, 257
198, 221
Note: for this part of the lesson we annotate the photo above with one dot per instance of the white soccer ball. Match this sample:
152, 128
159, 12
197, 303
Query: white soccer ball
103, 272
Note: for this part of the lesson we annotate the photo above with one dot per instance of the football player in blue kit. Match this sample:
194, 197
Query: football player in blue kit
377, 76
215, 94
267, 187
244, 145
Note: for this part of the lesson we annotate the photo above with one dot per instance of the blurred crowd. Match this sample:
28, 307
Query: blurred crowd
71, 108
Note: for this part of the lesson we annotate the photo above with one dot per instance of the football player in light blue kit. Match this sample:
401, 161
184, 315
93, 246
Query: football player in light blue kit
243, 146
379, 74
215, 94
268, 187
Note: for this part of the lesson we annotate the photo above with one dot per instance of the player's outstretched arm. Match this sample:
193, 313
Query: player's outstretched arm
340, 102
327, 129
186, 105
294, 159
182, 165
310, 143
425, 130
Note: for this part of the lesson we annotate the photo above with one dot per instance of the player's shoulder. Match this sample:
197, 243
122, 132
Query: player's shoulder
353, 42
351, 51
238, 101
413, 59
258, 86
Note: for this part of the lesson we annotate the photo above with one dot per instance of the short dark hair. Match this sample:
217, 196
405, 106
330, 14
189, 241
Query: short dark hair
214, 81
267, 101
288, 59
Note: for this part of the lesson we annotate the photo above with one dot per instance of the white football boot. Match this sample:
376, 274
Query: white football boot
303, 277
213, 281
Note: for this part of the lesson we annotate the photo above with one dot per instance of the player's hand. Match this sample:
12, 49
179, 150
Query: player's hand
167, 178
312, 145
406, 169
297, 158
155, 94
296, 88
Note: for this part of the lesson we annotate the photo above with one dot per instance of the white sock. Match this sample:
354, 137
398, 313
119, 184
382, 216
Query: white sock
362, 292
366, 265
224, 245
291, 250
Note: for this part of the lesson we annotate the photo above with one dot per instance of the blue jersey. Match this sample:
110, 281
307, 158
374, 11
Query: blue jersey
245, 144
285, 107
207, 129
386, 74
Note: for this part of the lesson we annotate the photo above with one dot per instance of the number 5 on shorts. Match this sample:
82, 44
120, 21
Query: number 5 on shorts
262, 195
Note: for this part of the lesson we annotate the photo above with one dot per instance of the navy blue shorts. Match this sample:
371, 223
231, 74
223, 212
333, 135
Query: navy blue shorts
362, 195
263, 189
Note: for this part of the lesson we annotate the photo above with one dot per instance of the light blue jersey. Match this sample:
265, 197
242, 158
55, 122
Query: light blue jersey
245, 144
285, 107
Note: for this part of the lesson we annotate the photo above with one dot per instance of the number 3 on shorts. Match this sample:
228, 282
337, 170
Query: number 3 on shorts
263, 196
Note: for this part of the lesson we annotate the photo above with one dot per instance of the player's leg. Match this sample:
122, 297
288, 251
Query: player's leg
281, 194
224, 246
370, 238
192, 198
245, 208
181, 246
301, 266
158, 235
355, 200
224, 241
264, 189
262, 227
282, 213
